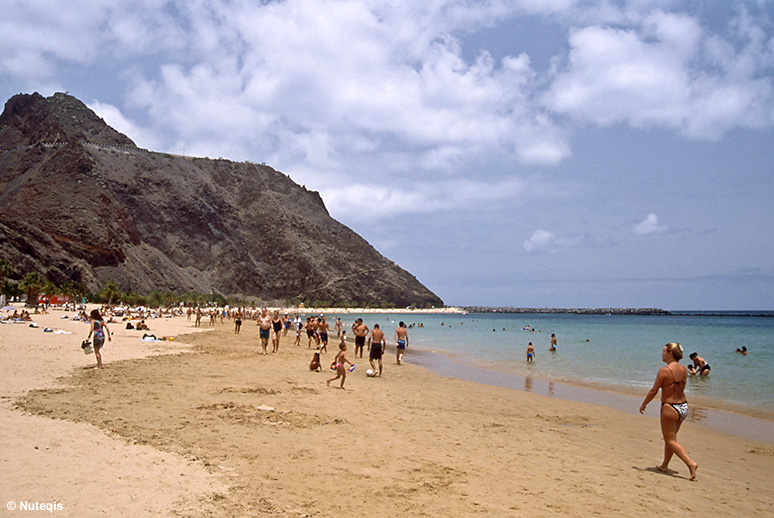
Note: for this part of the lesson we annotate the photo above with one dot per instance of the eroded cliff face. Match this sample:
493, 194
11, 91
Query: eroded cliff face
79, 201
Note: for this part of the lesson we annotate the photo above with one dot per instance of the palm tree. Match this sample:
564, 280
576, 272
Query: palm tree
67, 290
50, 289
5, 270
32, 283
111, 291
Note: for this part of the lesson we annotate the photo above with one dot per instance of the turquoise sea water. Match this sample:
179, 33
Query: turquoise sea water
613, 351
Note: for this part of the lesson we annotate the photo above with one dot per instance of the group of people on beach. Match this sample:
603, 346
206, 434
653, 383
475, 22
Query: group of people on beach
317, 328
670, 379
24, 316
377, 343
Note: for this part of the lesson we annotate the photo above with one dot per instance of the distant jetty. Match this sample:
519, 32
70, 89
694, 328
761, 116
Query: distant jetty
577, 311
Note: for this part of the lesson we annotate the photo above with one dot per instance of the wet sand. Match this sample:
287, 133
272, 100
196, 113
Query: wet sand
221, 430
733, 419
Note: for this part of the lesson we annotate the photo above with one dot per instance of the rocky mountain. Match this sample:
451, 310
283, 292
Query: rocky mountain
80, 202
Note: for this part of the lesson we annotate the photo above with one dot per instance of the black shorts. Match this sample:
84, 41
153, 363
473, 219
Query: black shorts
359, 341
376, 352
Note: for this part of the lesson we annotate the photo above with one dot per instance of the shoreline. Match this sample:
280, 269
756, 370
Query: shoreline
471, 344
577, 390
355, 311
731, 418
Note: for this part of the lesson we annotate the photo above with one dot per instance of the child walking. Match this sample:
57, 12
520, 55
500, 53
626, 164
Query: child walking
339, 361
99, 330
298, 334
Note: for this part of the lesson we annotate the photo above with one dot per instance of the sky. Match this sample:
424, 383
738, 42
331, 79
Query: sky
555, 153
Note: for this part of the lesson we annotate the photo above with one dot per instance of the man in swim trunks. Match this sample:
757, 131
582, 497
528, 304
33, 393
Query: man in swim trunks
264, 321
360, 330
702, 367
530, 352
376, 346
237, 321
401, 341
311, 331
322, 332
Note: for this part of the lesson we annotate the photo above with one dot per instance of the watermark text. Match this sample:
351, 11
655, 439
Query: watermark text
26, 505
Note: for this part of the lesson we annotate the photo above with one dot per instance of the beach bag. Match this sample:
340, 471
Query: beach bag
86, 346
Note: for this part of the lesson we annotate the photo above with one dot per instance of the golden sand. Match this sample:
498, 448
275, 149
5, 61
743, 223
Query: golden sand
207, 426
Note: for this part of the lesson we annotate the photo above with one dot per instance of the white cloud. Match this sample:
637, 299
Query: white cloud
666, 70
649, 225
370, 201
116, 120
374, 90
325, 70
540, 241
440, 109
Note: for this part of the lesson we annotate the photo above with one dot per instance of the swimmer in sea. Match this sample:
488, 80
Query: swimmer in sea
530, 352
702, 367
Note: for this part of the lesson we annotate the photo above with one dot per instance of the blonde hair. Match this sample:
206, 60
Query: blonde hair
675, 350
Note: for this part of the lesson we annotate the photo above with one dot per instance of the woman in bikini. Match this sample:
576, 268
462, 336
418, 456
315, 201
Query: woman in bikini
674, 408
276, 324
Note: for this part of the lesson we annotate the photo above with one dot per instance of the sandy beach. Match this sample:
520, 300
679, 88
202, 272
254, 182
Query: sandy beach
207, 426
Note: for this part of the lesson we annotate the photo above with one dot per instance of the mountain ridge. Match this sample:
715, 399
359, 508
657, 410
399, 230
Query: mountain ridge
80, 201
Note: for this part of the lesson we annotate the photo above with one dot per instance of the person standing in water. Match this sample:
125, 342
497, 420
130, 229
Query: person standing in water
401, 341
553, 343
530, 352
702, 367
674, 407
